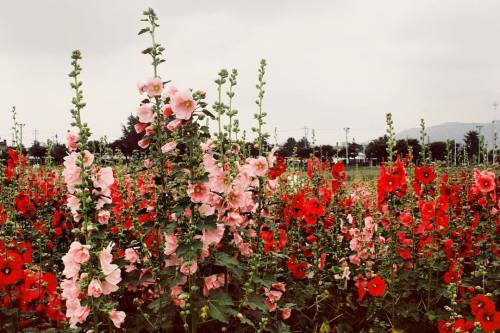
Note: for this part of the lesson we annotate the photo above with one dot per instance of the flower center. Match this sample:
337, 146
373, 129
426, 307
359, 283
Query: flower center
6, 270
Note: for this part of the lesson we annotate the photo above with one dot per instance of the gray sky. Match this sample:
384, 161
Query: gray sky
331, 64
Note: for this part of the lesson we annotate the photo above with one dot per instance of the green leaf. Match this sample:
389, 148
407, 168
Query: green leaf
143, 31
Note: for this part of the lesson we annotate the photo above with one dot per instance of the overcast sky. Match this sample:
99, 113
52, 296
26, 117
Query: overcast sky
331, 64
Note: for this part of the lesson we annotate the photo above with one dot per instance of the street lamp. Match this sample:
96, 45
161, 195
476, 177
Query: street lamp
346, 129
479, 127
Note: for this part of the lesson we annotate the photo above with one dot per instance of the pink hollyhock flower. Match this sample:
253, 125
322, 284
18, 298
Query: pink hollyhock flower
198, 192
233, 219
213, 282
484, 182
154, 87
258, 166
235, 198
95, 288
145, 113
206, 209
72, 140
79, 316
79, 253
189, 268
73, 203
131, 255
117, 317
285, 313
141, 87
170, 244
143, 143
244, 248
88, 158
175, 292
105, 259
174, 124
271, 159
279, 286
148, 163
168, 147
103, 216
208, 146
103, 179
167, 111
183, 104
149, 130
139, 127
213, 236
70, 289
242, 181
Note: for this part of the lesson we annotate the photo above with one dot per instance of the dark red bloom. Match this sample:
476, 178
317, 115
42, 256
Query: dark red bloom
425, 175
11, 268
489, 320
480, 303
376, 286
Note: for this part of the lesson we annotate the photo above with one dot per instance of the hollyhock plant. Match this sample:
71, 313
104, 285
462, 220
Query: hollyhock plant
182, 103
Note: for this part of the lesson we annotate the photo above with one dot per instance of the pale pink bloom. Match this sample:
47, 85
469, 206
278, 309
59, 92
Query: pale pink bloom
167, 110
259, 166
79, 253
272, 184
131, 255
271, 306
105, 259
242, 181
189, 268
141, 87
145, 113
213, 282
139, 127
72, 177
103, 178
285, 313
213, 236
233, 219
110, 284
143, 143
244, 248
148, 163
154, 87
174, 124
117, 317
172, 91
218, 182
103, 216
274, 295
95, 288
73, 203
168, 147
170, 244
198, 192
208, 146
271, 159
183, 104
79, 316
70, 289
88, 158
235, 198
72, 140
206, 209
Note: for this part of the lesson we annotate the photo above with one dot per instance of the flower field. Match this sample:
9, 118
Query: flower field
203, 232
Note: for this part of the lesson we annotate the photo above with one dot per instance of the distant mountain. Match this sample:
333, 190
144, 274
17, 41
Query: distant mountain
453, 131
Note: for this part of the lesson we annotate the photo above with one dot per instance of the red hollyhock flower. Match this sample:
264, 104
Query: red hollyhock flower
361, 290
425, 175
376, 286
298, 269
24, 205
11, 268
489, 320
484, 181
480, 303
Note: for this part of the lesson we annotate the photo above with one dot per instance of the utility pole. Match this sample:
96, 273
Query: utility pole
21, 133
479, 127
493, 132
455, 146
35, 132
306, 135
346, 129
